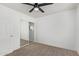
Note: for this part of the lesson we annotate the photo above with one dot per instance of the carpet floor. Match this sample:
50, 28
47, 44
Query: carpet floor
37, 49
23, 42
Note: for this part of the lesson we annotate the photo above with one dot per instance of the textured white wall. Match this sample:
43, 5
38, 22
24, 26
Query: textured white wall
57, 29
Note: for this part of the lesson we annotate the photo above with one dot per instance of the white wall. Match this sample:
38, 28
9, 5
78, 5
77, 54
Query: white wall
57, 29
24, 30
10, 29
77, 30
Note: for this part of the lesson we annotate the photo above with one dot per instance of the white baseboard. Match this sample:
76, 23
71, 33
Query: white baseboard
78, 52
56, 44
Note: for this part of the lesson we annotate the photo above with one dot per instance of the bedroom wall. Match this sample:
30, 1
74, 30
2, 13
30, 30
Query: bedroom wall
77, 30
24, 30
57, 29
10, 29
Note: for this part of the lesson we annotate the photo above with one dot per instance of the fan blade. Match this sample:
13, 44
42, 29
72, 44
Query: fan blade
44, 4
41, 10
31, 9
28, 4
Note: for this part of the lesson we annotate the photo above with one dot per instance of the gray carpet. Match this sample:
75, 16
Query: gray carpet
37, 49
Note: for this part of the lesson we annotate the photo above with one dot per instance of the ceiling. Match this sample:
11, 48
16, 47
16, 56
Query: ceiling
49, 9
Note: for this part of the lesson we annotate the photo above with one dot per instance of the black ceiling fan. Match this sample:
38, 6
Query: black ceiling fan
37, 6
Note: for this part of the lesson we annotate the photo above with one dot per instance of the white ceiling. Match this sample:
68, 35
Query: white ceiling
49, 9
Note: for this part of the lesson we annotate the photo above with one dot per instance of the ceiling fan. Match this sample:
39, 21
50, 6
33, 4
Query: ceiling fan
37, 6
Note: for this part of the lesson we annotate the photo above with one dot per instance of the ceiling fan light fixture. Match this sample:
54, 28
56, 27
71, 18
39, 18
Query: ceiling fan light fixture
36, 9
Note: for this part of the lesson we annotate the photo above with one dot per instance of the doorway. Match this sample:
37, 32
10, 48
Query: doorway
31, 32
26, 33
